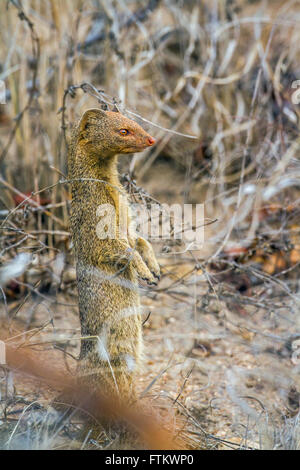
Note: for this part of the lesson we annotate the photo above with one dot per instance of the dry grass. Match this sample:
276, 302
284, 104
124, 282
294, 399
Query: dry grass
221, 341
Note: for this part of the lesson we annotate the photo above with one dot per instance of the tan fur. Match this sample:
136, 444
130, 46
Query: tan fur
107, 270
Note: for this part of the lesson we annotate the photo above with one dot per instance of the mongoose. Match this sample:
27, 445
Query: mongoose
107, 269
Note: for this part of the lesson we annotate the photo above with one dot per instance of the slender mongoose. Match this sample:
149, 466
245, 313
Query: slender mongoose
107, 269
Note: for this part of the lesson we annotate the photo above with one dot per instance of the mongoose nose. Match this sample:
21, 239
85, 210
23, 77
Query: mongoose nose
151, 141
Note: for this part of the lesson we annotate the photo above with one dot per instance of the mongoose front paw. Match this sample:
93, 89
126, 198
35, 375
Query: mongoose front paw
156, 275
148, 256
142, 269
151, 283
154, 268
155, 271
147, 276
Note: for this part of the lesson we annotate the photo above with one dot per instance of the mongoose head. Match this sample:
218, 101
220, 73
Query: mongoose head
106, 133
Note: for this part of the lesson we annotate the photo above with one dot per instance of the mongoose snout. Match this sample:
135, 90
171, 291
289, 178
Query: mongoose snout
151, 141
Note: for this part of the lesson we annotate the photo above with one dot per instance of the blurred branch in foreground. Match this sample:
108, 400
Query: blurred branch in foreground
100, 408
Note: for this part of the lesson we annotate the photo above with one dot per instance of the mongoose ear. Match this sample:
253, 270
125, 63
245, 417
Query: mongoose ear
90, 115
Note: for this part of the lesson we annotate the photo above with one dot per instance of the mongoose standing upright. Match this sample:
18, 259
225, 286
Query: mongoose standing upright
107, 269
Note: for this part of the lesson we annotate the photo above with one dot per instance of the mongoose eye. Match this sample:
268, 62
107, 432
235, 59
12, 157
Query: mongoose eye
123, 131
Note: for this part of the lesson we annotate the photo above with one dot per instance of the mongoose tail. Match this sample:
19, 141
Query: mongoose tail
107, 269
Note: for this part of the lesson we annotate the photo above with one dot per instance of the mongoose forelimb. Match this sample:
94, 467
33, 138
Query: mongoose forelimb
107, 269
